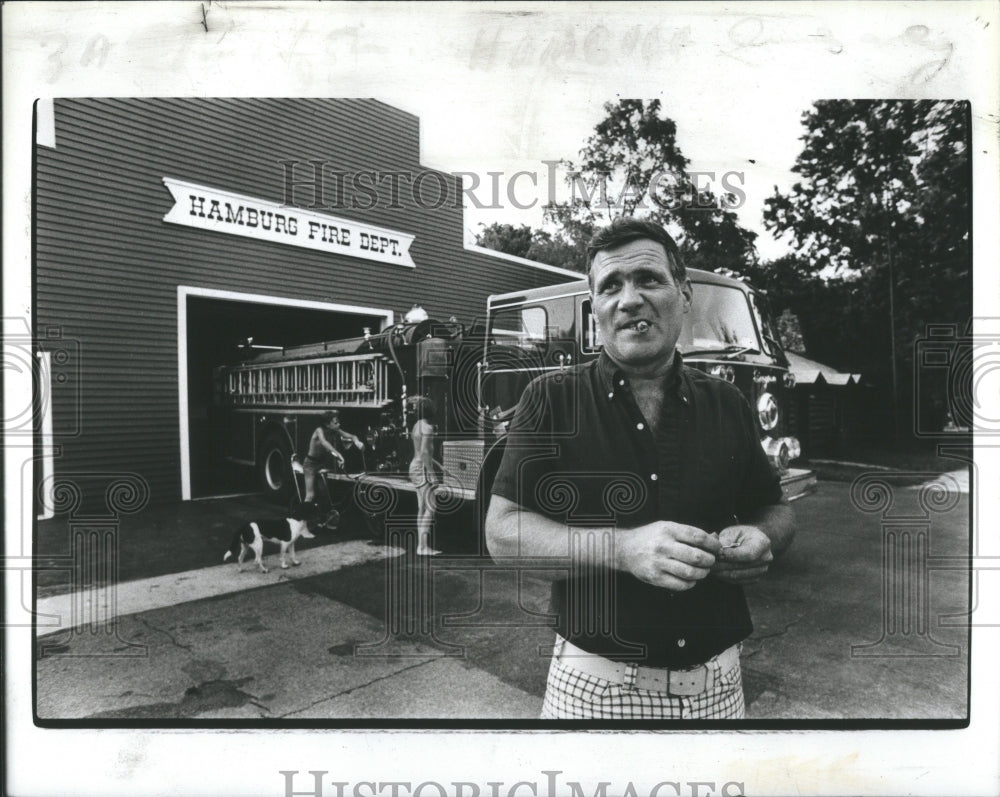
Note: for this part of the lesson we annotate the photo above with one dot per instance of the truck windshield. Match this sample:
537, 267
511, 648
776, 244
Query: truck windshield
765, 322
720, 320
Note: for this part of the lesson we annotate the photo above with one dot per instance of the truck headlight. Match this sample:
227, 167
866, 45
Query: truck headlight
767, 412
723, 371
777, 451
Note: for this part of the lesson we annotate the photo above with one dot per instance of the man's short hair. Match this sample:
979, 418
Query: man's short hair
330, 415
625, 229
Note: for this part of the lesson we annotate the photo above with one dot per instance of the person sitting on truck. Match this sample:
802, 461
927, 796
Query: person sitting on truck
646, 480
422, 472
323, 449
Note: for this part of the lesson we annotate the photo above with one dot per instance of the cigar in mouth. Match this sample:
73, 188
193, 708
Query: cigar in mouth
642, 326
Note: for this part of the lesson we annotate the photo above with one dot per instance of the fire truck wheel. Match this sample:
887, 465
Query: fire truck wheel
274, 473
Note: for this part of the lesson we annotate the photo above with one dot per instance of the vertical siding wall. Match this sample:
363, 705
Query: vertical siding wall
107, 266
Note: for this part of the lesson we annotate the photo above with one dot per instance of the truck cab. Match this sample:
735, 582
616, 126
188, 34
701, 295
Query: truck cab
727, 333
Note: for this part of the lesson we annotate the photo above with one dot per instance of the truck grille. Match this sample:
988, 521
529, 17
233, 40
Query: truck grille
463, 459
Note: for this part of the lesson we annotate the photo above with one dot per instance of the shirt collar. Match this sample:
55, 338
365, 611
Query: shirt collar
614, 379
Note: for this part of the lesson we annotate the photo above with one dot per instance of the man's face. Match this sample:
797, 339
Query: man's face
333, 423
639, 306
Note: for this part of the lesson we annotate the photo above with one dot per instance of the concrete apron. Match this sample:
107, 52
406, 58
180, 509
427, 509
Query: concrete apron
280, 653
61, 612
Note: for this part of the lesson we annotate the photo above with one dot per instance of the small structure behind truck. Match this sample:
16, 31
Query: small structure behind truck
273, 401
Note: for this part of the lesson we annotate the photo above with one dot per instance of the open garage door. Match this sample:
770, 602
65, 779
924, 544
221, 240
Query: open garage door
215, 332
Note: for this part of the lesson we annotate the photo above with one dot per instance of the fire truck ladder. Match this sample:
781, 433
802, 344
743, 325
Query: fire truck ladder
350, 381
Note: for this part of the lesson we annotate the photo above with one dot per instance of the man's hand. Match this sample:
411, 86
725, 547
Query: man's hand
665, 554
745, 555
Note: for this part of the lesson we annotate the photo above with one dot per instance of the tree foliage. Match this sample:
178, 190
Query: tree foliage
881, 226
539, 245
875, 172
506, 238
632, 165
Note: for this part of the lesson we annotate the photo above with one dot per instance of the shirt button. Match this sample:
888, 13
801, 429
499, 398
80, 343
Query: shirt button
621, 382
681, 642
611, 395
640, 426
653, 476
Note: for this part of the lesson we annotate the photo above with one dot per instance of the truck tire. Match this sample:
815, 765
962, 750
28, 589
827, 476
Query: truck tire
274, 468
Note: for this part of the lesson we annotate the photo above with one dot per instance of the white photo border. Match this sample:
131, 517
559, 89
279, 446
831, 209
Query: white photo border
887, 50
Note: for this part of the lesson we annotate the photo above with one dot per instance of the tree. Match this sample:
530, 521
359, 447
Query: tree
633, 166
538, 245
833, 318
506, 238
557, 250
882, 215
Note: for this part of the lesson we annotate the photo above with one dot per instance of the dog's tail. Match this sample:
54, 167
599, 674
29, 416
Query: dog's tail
244, 534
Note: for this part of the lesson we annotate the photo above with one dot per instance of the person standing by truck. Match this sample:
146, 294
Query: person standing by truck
322, 447
647, 479
422, 472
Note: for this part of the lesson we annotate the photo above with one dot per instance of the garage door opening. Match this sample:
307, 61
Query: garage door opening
218, 330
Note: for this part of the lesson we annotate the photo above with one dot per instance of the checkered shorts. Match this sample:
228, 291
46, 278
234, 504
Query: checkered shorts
571, 694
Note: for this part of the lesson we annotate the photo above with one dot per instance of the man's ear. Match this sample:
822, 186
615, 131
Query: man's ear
687, 291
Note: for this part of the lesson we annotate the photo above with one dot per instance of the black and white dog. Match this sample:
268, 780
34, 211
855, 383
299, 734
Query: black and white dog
251, 538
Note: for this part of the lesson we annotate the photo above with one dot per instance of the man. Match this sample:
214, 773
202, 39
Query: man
646, 482
322, 445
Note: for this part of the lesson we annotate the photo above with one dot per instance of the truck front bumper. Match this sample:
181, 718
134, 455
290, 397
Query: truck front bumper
797, 482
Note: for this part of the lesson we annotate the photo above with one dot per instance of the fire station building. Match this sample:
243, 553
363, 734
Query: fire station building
169, 232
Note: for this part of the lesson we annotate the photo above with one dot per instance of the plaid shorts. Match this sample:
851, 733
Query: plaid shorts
571, 694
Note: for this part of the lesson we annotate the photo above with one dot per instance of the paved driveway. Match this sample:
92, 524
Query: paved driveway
861, 619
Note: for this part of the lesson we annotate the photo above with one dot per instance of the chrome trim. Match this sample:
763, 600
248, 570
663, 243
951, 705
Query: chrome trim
396, 482
489, 370
798, 483
768, 412
491, 306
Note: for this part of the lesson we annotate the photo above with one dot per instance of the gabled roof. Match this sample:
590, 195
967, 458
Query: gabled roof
808, 372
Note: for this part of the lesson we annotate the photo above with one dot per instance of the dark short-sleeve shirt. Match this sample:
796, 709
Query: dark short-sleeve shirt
580, 452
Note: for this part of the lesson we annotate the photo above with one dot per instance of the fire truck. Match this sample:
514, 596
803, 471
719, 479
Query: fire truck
273, 400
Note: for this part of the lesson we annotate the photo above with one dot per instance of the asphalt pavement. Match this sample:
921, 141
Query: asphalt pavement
862, 619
